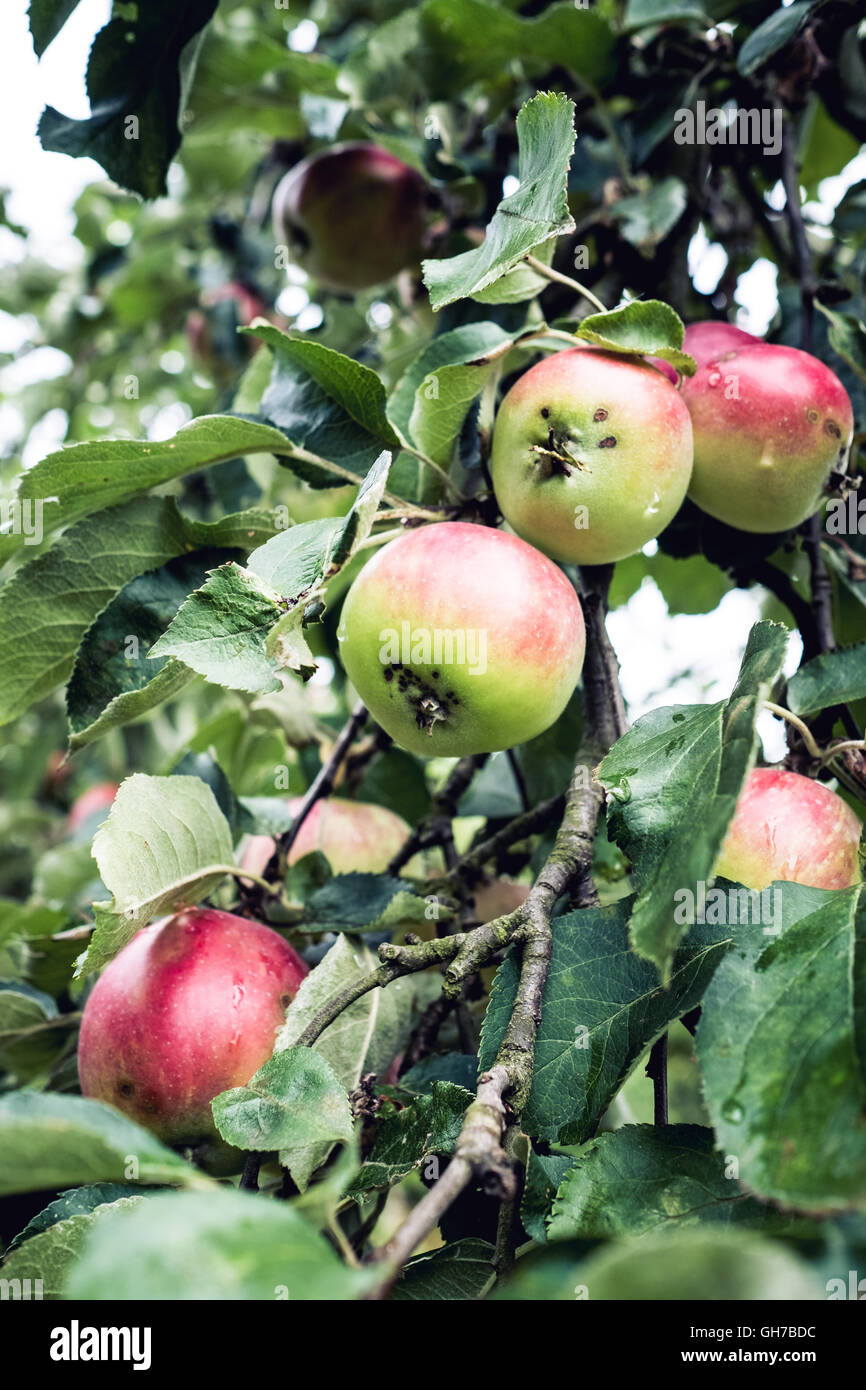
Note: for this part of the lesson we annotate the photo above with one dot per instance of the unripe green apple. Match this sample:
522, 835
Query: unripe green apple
354, 215
462, 639
189, 1008
791, 828
770, 425
592, 454
354, 836
709, 339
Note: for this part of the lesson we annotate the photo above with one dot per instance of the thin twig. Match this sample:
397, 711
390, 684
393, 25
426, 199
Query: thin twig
550, 274
435, 828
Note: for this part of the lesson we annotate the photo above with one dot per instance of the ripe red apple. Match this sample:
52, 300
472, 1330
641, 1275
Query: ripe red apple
97, 798
353, 215
770, 425
710, 339
792, 828
462, 639
592, 454
189, 1008
354, 836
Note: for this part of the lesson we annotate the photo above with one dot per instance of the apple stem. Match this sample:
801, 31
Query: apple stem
550, 274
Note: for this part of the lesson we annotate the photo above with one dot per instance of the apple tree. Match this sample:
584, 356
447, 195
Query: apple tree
359, 938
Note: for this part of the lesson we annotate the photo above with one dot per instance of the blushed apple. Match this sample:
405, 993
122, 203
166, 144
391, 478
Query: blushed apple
770, 425
591, 456
710, 339
462, 639
354, 215
97, 798
789, 827
189, 1008
354, 836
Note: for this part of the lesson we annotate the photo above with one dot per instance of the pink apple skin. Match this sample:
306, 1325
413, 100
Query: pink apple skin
471, 585
588, 428
354, 836
770, 425
189, 1008
358, 212
788, 827
498, 898
96, 798
711, 339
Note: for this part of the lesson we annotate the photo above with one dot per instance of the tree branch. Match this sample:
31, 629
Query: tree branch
435, 828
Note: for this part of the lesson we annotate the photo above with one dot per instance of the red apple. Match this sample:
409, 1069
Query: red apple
710, 339
592, 455
791, 828
353, 215
97, 798
461, 639
770, 425
190, 1007
354, 836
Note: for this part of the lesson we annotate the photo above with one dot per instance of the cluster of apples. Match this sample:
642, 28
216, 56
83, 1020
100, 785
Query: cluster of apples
462, 638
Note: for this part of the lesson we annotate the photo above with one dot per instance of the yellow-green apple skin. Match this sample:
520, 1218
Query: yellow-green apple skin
771, 424
354, 836
354, 215
591, 455
789, 827
189, 1008
462, 639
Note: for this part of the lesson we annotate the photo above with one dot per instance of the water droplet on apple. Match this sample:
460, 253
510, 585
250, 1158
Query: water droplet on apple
714, 378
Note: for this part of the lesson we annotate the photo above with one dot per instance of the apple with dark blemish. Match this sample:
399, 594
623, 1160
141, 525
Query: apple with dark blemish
462, 639
592, 455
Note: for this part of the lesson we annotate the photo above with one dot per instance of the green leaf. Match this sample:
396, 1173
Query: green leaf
643, 1179
47, 18
362, 902
429, 1126
50, 1256
643, 327
47, 606
452, 1273
220, 631
221, 1246
847, 336
834, 678
544, 1174
51, 1141
113, 681
777, 30
166, 844
782, 1049
328, 404
244, 627
602, 1008
294, 1103
87, 478
140, 68
674, 780
77, 1201
707, 1265
22, 1007
537, 212
469, 346
641, 14
368, 1034
646, 217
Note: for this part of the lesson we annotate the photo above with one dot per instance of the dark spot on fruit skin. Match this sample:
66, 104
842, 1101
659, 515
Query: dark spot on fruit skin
600, 414
608, 443
545, 413
830, 427
434, 675
285, 1001
812, 416
125, 1088
388, 673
